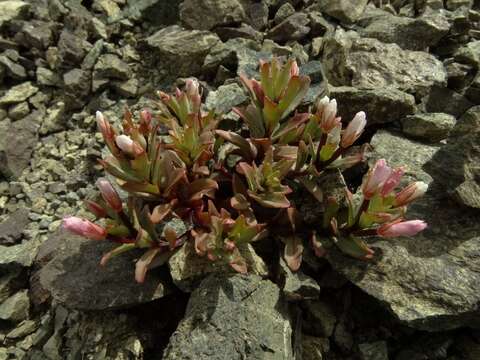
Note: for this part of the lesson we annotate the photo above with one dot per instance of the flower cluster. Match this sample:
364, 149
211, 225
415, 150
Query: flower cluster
231, 188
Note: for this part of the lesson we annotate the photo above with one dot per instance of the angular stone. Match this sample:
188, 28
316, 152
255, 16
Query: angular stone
431, 126
409, 33
16, 257
17, 145
427, 282
320, 318
243, 31
13, 69
233, 322
12, 10
207, 14
297, 285
16, 308
112, 67
374, 351
225, 98
381, 105
314, 348
294, 27
77, 85
18, 93
455, 4
369, 63
70, 272
188, 269
343, 10
11, 229
445, 100
37, 34
18, 111
71, 48
283, 12
182, 51
54, 119
469, 54
47, 77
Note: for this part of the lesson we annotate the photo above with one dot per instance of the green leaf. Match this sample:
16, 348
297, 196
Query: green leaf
296, 90
198, 188
271, 200
141, 266
312, 187
117, 251
253, 117
354, 247
249, 151
271, 115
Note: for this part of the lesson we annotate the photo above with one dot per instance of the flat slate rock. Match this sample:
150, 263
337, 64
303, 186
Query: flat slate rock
71, 272
431, 281
233, 317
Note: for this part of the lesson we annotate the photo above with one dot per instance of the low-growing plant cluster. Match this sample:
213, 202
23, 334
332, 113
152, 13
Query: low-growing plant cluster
232, 188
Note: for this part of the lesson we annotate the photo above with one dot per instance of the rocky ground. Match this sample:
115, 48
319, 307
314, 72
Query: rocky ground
412, 65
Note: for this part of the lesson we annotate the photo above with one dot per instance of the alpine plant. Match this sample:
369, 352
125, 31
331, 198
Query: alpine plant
232, 188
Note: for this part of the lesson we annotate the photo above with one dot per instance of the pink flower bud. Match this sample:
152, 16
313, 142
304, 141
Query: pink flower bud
109, 194
257, 89
294, 70
404, 228
104, 126
410, 193
329, 117
375, 178
192, 87
128, 146
95, 209
392, 181
84, 228
354, 129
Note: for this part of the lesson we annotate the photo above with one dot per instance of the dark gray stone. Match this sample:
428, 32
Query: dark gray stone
295, 27
17, 145
343, 10
70, 272
225, 310
225, 98
374, 351
412, 34
381, 105
297, 285
207, 14
441, 99
71, 48
11, 229
16, 308
431, 126
112, 67
13, 69
369, 63
320, 319
182, 51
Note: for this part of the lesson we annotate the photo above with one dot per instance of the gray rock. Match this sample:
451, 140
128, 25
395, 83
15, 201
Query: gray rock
128, 88
294, 27
381, 105
225, 98
13, 69
473, 91
457, 163
237, 55
54, 119
428, 281
455, 4
16, 308
297, 285
70, 272
156, 11
17, 145
343, 10
13, 10
18, 93
314, 348
469, 54
187, 269
369, 63
91, 58
17, 257
37, 34
431, 126
257, 13
233, 322
112, 67
283, 12
25, 328
412, 34
11, 229
374, 351
207, 14
47, 77
318, 25
71, 48
77, 85
244, 31
441, 99
320, 319
182, 51
18, 111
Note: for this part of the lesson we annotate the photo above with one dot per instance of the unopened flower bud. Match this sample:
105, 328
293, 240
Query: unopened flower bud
109, 194
84, 228
294, 70
95, 209
404, 228
393, 180
375, 178
128, 146
354, 130
410, 193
